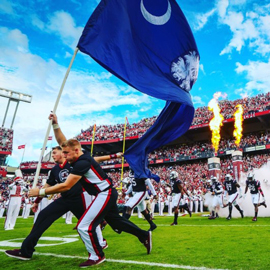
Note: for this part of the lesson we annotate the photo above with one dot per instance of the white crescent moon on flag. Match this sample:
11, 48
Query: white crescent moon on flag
157, 20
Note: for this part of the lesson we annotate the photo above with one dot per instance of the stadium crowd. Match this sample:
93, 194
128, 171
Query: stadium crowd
6, 139
193, 175
193, 149
251, 105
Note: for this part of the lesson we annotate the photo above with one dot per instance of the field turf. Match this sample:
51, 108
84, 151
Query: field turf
195, 243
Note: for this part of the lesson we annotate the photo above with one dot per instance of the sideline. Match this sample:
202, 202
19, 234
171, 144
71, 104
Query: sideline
130, 262
210, 225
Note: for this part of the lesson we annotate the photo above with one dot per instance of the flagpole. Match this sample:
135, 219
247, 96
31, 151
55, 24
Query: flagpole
50, 122
93, 139
123, 159
23, 153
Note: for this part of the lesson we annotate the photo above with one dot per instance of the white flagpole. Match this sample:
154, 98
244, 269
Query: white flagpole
54, 110
23, 153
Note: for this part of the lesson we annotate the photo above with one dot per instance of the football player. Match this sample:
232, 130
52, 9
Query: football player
254, 187
218, 196
231, 186
138, 187
177, 193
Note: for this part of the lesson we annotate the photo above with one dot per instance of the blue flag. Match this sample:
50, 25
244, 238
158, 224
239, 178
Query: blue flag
149, 45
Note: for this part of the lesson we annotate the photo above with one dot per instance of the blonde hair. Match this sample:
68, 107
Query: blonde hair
71, 143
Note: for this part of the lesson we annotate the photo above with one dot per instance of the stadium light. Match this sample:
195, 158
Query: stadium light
16, 97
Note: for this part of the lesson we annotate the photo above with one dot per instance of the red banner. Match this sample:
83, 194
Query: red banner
21, 146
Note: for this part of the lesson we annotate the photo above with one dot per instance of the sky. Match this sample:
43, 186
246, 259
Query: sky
38, 39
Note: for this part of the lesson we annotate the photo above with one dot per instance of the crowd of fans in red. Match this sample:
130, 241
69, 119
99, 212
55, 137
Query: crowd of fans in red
33, 164
193, 175
6, 139
251, 105
188, 150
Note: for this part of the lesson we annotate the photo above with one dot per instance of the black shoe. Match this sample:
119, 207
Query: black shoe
152, 227
173, 224
228, 217
264, 204
16, 253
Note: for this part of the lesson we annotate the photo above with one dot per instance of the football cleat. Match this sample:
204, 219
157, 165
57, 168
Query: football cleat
92, 262
229, 217
211, 217
173, 224
264, 204
254, 219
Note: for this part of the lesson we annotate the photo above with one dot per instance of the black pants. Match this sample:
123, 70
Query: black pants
47, 216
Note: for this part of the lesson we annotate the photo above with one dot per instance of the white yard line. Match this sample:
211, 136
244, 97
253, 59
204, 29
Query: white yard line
206, 225
130, 262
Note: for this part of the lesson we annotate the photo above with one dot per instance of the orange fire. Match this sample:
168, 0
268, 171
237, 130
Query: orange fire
238, 129
216, 121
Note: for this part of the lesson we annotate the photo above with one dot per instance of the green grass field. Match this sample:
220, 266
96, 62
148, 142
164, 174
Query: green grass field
196, 243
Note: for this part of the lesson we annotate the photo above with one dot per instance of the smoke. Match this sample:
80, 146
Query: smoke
263, 176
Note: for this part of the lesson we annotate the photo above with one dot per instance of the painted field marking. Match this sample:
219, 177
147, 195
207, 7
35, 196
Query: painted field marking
59, 240
130, 262
206, 225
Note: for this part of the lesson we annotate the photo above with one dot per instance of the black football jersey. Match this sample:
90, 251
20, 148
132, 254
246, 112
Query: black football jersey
217, 188
253, 186
138, 184
230, 186
174, 185
59, 174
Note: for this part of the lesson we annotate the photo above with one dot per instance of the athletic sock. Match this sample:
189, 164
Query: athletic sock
175, 218
148, 217
126, 215
230, 210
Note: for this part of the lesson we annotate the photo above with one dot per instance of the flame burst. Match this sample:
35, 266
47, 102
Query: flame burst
238, 129
216, 121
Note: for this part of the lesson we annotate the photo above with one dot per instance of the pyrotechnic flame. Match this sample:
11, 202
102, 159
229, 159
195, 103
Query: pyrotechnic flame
216, 121
238, 129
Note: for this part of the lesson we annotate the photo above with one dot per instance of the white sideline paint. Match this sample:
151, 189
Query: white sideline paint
60, 241
130, 262
206, 225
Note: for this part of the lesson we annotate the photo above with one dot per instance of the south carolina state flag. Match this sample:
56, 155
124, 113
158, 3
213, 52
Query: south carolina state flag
149, 45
